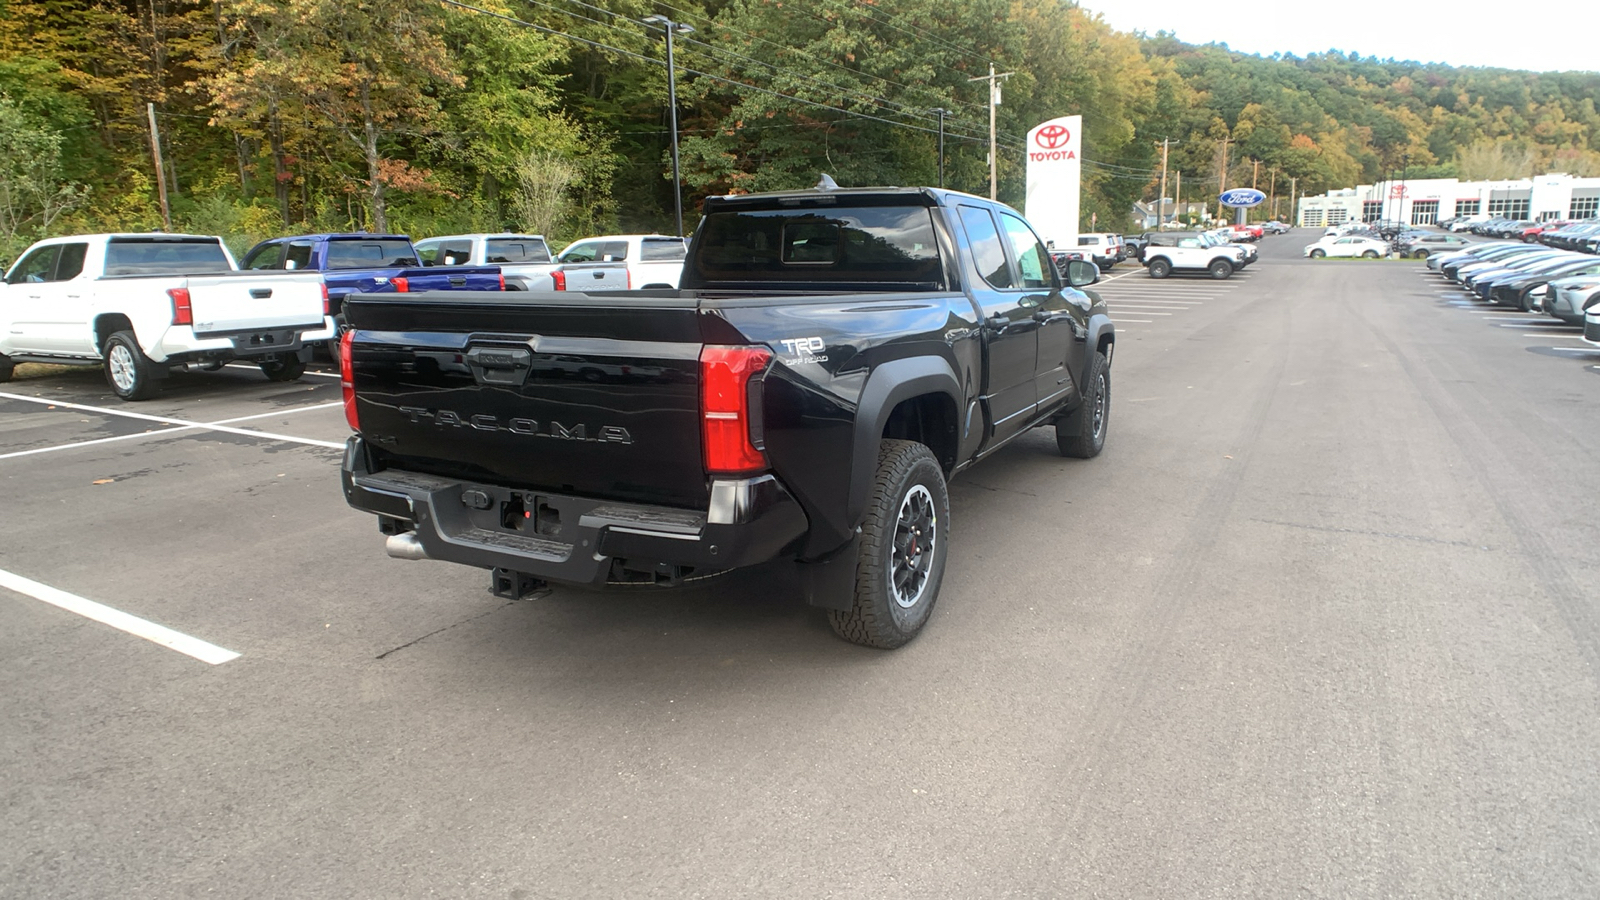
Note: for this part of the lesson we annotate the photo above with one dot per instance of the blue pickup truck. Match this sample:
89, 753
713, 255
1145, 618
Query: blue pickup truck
364, 263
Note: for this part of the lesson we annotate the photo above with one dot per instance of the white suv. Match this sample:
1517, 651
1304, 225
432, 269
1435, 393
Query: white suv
1105, 249
654, 260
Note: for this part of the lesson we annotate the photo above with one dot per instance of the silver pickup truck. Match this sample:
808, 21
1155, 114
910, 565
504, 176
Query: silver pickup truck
526, 261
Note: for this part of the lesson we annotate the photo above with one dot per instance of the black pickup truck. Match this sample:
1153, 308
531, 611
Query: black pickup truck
831, 358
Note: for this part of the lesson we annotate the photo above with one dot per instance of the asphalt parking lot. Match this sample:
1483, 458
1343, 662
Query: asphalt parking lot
1323, 620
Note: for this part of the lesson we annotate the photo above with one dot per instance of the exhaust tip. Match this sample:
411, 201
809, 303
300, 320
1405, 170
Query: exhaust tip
405, 546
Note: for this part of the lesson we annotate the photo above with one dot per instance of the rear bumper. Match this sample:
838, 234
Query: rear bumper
576, 540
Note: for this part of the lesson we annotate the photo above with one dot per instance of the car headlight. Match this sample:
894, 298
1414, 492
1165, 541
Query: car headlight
1581, 286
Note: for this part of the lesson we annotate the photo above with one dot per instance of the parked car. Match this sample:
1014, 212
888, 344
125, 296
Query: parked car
1181, 251
1274, 227
1135, 245
1518, 290
1347, 246
1421, 245
141, 304
525, 261
805, 417
1106, 250
363, 263
1571, 299
654, 260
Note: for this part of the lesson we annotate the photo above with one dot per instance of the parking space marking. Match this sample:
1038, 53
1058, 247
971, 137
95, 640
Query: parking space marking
160, 634
1143, 306
258, 368
1545, 335
173, 430
171, 421
1138, 321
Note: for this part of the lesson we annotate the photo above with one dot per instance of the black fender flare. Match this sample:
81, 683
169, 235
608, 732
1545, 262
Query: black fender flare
889, 385
1100, 326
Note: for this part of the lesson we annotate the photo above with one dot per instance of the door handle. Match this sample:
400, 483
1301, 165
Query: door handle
998, 322
1043, 315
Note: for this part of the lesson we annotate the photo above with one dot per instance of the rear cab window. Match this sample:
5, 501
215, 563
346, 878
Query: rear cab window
892, 245
165, 256
516, 250
370, 254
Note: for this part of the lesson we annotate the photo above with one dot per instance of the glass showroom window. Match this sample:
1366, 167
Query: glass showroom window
1424, 212
1468, 207
1585, 207
1372, 210
1510, 209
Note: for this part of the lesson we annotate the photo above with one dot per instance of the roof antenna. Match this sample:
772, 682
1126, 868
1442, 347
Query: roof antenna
826, 183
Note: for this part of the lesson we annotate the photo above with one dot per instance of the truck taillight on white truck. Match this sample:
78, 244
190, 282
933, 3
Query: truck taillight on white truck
141, 304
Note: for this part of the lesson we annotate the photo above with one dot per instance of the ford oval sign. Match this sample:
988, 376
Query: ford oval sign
1242, 198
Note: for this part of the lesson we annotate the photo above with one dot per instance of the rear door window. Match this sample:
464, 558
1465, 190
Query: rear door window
70, 265
987, 250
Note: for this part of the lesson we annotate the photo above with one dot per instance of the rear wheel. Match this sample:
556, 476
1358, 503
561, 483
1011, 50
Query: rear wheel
1160, 268
902, 549
287, 367
1420, 253
1082, 434
1220, 269
131, 374
1318, 253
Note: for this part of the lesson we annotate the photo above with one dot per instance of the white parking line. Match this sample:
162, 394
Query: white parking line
173, 430
1558, 325
1545, 335
171, 421
1143, 306
116, 618
258, 368
1138, 321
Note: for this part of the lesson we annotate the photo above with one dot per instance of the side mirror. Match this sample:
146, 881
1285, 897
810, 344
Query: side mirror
1081, 273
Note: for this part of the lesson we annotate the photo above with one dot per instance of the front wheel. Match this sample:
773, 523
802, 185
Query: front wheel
1318, 254
1369, 254
902, 549
1160, 268
1082, 434
287, 367
131, 374
1220, 269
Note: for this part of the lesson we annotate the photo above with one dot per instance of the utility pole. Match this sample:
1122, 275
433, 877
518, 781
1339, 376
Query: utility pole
1222, 176
1161, 198
161, 172
670, 28
1294, 214
994, 100
942, 113
1177, 196
1255, 173
1273, 191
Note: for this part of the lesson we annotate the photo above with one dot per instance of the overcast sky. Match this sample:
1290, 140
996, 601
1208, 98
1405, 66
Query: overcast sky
1542, 37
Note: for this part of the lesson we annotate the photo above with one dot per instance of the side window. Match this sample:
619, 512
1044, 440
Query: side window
455, 253
1085, 241
1032, 260
1191, 243
297, 255
427, 252
70, 265
581, 252
986, 249
266, 256
614, 251
36, 267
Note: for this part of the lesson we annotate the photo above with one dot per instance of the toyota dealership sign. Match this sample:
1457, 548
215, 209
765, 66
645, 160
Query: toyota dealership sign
1055, 174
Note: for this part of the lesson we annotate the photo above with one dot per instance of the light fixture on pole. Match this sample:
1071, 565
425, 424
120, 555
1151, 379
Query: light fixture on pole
942, 112
670, 28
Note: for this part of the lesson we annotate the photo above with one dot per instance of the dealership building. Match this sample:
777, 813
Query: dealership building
1424, 201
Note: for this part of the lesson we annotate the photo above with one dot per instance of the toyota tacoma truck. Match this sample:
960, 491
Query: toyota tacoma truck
361, 263
140, 305
525, 261
831, 358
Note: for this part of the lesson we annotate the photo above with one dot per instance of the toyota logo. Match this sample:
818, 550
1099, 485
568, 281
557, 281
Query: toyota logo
1052, 137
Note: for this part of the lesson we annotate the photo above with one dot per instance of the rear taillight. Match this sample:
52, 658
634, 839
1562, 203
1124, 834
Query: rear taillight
559, 278
628, 273
347, 380
731, 416
327, 305
401, 285
502, 281
182, 312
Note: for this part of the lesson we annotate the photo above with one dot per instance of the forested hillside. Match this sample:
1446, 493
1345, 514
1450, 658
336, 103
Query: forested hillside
550, 115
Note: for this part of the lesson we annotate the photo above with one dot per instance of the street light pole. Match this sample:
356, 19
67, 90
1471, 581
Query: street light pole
942, 113
1405, 169
670, 28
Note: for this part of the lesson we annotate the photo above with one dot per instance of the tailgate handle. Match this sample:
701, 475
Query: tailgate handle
261, 293
458, 280
500, 365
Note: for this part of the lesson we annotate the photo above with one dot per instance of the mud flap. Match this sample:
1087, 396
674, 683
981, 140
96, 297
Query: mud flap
830, 582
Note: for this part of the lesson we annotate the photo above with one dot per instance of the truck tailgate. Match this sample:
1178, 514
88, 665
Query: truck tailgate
571, 393
251, 301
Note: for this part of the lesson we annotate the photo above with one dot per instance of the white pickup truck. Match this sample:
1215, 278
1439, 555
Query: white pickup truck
525, 261
653, 260
141, 304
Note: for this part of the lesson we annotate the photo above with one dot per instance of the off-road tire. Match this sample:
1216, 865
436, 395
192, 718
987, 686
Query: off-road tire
1160, 268
1220, 269
1318, 253
907, 473
287, 367
1081, 434
130, 374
